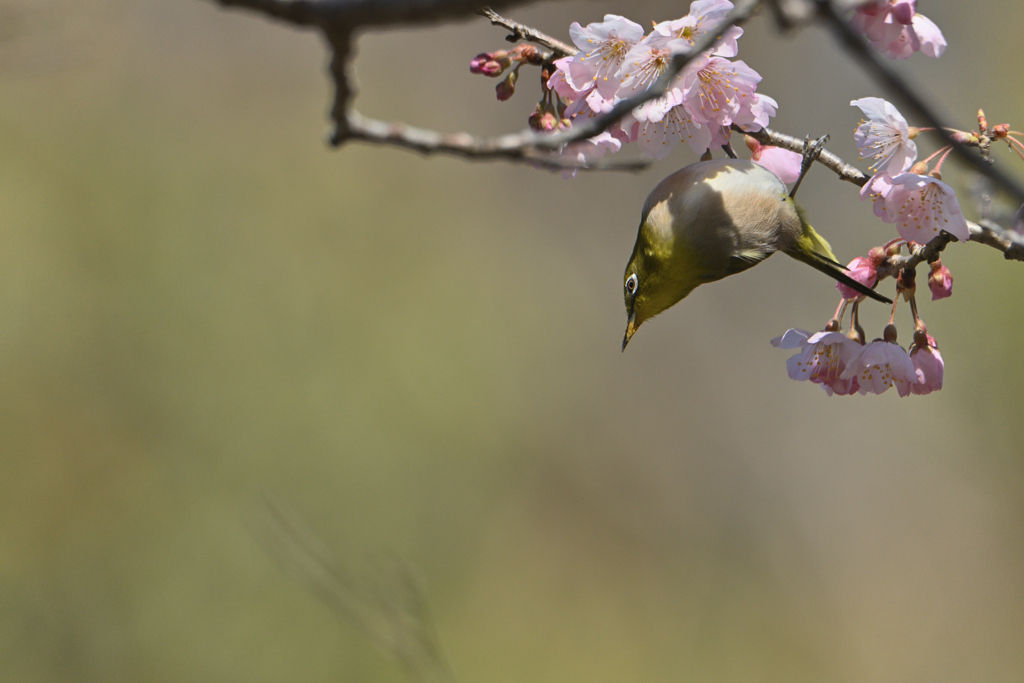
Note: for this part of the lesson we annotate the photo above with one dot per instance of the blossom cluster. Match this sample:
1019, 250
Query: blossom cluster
903, 191
712, 92
844, 365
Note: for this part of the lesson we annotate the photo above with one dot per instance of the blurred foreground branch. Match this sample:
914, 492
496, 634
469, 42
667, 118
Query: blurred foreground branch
389, 609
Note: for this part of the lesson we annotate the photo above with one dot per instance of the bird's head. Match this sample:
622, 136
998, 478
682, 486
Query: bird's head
653, 280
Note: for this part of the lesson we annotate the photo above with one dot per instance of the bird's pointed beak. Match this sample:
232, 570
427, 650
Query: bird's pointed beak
630, 329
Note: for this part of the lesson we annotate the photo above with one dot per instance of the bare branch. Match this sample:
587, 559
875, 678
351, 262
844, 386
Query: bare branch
987, 232
520, 32
901, 89
845, 171
515, 147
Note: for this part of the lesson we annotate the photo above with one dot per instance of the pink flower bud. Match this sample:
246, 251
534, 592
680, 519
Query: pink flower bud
548, 121
864, 271
507, 87
491, 64
940, 281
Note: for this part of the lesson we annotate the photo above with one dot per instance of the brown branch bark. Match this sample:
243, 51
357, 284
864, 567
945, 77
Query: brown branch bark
519, 31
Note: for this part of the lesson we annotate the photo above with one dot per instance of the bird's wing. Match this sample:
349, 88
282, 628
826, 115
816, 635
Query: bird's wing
742, 260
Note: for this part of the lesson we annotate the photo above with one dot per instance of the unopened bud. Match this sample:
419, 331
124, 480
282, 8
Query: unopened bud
534, 120
920, 168
754, 146
889, 333
507, 87
940, 281
982, 121
1001, 130
548, 121
491, 64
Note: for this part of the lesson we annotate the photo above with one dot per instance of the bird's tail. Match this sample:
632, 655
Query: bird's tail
814, 250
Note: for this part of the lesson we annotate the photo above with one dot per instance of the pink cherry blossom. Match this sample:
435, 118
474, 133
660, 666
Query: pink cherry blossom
863, 270
881, 365
895, 28
559, 81
704, 16
930, 40
921, 206
783, 163
659, 125
877, 188
884, 137
646, 62
928, 367
603, 47
719, 91
823, 358
589, 149
940, 281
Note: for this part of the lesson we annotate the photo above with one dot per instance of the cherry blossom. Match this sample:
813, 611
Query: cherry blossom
884, 137
877, 188
928, 364
880, 365
823, 358
897, 30
921, 36
921, 206
660, 124
646, 62
720, 92
603, 47
940, 281
704, 15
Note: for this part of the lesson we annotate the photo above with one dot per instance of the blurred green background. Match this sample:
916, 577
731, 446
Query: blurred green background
202, 305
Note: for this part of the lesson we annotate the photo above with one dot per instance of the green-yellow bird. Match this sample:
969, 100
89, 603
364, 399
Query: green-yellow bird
710, 220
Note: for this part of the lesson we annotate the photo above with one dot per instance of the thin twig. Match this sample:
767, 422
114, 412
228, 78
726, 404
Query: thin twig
509, 147
521, 32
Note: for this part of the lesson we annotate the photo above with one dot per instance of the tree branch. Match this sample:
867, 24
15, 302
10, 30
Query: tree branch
521, 32
515, 147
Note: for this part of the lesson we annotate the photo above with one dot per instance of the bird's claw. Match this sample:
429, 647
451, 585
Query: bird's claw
811, 152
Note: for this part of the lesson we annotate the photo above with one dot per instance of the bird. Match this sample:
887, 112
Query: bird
713, 219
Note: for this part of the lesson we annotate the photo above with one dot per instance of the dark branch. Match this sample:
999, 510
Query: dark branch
346, 15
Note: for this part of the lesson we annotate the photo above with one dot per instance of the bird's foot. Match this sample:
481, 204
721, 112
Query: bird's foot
811, 152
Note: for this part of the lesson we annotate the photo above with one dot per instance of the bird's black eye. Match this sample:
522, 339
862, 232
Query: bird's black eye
631, 284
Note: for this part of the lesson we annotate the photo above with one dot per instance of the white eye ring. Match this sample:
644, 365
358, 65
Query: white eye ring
631, 284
